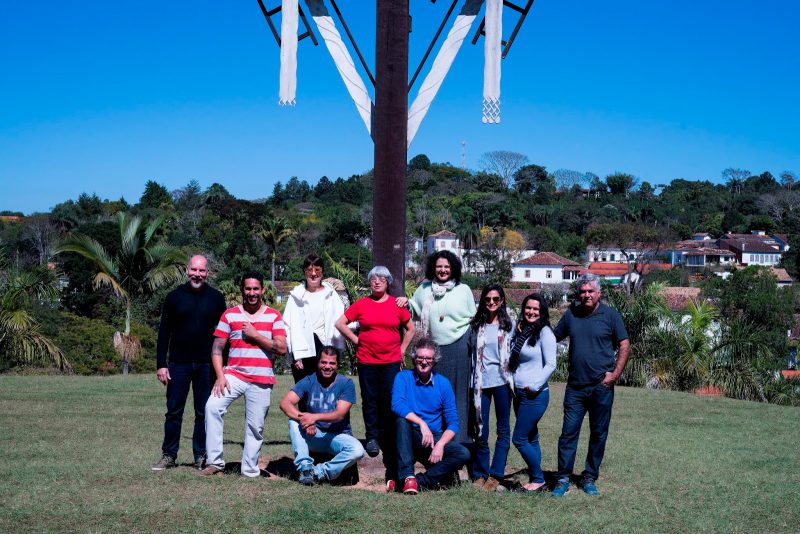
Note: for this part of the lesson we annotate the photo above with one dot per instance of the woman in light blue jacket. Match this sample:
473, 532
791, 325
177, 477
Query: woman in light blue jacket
533, 359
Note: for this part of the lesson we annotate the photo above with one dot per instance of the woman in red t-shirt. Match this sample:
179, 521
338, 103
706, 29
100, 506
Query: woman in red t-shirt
380, 350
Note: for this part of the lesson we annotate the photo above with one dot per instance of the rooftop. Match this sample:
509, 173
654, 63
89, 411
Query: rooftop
547, 258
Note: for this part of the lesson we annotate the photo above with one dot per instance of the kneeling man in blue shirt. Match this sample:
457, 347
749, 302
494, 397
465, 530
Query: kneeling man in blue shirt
427, 422
324, 425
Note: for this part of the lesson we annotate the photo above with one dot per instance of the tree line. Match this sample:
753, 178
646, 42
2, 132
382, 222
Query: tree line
508, 203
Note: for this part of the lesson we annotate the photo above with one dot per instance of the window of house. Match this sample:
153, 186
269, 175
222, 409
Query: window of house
527, 273
549, 274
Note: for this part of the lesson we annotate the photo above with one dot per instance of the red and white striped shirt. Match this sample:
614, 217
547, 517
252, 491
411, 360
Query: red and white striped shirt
249, 362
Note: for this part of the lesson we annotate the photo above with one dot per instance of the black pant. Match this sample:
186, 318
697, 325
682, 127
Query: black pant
376, 381
410, 449
198, 376
309, 364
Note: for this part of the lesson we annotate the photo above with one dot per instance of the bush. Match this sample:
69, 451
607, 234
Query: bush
87, 343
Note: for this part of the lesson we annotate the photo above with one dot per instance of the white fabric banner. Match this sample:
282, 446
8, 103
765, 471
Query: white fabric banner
344, 62
288, 77
492, 54
441, 66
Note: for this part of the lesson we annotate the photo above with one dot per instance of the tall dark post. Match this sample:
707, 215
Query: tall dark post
389, 129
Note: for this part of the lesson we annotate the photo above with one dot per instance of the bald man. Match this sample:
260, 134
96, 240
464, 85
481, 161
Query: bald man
185, 337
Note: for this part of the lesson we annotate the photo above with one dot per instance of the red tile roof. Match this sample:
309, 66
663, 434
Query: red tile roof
678, 297
443, 233
601, 268
547, 258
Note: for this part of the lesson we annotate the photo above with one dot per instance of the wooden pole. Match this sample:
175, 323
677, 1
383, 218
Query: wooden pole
389, 128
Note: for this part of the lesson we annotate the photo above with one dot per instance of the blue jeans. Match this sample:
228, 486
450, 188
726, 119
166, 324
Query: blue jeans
198, 376
502, 411
597, 400
346, 449
410, 450
530, 407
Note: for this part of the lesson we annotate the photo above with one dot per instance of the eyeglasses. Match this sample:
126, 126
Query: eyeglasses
424, 360
489, 300
313, 270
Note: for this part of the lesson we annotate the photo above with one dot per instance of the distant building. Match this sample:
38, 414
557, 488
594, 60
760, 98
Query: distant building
755, 248
545, 268
443, 240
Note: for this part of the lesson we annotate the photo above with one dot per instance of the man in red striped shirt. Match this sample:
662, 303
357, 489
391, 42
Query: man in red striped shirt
257, 334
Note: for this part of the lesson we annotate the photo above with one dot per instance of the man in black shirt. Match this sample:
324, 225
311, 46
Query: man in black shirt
188, 319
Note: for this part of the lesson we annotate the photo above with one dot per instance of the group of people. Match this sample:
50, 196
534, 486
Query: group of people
464, 359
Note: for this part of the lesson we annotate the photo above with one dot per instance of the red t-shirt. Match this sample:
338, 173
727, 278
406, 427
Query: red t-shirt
379, 337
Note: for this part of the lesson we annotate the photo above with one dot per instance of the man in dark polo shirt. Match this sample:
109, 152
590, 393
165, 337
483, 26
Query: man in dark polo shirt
188, 319
598, 352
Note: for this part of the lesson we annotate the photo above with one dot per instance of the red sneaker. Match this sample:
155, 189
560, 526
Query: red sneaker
411, 487
390, 486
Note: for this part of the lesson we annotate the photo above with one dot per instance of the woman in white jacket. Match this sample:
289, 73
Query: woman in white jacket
310, 315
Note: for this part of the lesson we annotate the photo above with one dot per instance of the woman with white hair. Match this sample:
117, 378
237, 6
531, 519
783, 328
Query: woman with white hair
380, 346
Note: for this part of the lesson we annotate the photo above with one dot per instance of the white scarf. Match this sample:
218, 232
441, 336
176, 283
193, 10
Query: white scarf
437, 291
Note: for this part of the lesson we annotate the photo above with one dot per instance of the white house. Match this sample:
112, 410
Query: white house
443, 240
545, 268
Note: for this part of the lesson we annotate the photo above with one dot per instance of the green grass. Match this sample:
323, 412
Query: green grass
77, 453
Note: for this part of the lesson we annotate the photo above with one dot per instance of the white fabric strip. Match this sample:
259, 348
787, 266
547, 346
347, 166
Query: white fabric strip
491, 66
344, 62
441, 66
288, 77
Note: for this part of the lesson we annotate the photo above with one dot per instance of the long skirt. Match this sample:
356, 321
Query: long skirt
455, 366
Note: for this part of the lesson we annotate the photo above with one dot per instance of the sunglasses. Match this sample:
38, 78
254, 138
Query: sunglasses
313, 270
495, 300
424, 360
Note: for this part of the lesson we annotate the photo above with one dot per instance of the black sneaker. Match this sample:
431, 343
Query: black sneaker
200, 462
307, 477
372, 448
166, 462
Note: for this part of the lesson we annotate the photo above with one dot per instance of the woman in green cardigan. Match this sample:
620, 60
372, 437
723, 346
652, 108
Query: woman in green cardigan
444, 307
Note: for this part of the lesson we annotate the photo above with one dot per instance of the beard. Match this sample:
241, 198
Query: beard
195, 284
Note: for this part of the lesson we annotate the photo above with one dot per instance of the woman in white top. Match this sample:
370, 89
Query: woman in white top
310, 315
533, 360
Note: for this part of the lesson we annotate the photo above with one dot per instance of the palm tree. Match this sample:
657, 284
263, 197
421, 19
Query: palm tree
142, 265
469, 234
21, 339
697, 348
274, 230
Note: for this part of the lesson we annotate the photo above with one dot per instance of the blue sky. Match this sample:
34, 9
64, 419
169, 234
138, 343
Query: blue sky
100, 97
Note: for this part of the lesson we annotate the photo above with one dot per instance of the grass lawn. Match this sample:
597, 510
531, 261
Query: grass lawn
77, 453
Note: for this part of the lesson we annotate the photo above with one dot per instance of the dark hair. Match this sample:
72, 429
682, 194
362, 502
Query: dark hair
255, 275
540, 323
482, 315
452, 259
330, 349
313, 260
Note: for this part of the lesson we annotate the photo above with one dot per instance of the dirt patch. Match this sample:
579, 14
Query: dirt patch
371, 472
